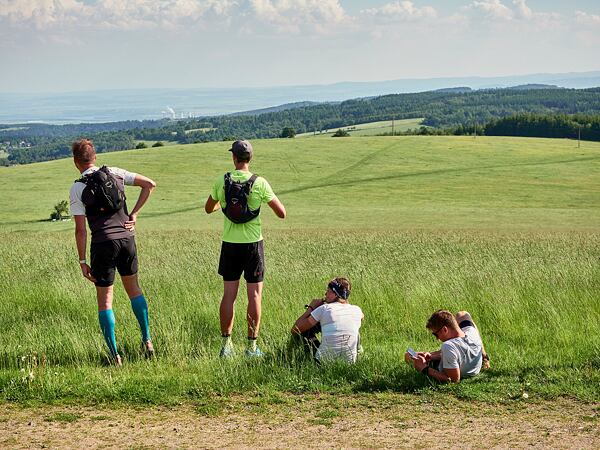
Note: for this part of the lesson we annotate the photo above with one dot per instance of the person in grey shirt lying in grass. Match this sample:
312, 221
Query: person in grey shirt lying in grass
462, 353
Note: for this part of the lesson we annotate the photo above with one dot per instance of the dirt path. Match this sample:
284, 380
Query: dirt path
366, 421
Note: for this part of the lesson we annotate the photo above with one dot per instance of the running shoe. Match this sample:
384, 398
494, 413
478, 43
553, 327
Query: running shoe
227, 351
256, 353
148, 349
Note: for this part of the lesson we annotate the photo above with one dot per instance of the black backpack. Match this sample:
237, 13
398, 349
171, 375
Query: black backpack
102, 194
236, 198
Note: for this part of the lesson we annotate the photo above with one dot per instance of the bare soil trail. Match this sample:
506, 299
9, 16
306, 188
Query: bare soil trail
309, 421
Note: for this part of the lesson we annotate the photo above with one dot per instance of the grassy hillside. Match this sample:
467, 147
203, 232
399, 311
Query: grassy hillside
507, 228
439, 183
372, 128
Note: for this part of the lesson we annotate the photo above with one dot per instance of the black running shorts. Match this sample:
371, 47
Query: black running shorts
108, 255
238, 258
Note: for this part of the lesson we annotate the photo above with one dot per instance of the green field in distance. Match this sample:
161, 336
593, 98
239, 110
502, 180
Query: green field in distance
371, 128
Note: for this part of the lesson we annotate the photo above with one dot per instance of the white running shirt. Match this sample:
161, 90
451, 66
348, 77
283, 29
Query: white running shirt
340, 323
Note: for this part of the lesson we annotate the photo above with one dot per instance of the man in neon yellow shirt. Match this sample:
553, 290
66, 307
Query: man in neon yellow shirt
242, 247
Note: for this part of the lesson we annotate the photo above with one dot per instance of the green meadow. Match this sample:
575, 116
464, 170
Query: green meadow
372, 128
506, 228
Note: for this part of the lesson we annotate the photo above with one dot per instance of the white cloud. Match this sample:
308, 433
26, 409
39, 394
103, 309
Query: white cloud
401, 10
523, 11
293, 16
587, 19
310, 17
42, 13
135, 14
47, 14
519, 13
285, 15
493, 9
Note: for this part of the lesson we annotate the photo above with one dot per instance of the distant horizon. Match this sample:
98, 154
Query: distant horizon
118, 105
594, 72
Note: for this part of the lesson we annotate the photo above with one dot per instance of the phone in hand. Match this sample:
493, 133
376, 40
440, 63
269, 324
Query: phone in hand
412, 353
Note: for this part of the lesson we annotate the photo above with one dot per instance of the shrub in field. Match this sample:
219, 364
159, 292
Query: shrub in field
61, 211
340, 133
288, 132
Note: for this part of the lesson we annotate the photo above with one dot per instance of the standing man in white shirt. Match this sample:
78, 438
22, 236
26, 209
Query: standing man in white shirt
338, 321
99, 197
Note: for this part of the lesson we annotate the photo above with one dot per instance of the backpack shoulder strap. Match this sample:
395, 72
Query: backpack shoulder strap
251, 180
84, 179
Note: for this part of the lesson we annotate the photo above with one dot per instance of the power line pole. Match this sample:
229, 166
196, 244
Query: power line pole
579, 137
393, 126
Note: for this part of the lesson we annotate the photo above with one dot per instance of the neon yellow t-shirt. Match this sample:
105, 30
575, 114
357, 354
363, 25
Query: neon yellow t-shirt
243, 233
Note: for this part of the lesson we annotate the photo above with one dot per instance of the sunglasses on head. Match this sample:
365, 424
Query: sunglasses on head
338, 289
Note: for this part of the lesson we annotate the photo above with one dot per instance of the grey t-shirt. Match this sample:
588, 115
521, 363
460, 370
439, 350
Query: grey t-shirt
465, 353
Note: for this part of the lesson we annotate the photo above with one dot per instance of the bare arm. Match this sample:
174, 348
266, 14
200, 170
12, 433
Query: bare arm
277, 208
448, 375
211, 205
435, 356
81, 242
303, 324
147, 186
428, 356
306, 321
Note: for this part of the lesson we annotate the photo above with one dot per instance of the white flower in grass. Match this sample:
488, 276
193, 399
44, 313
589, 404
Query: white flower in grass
525, 395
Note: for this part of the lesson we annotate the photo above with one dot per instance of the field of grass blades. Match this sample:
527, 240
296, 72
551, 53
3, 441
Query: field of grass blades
507, 229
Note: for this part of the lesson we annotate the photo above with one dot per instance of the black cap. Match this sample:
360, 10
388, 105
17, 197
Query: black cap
242, 149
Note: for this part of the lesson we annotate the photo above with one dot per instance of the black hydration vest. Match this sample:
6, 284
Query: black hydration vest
236, 199
105, 207
102, 194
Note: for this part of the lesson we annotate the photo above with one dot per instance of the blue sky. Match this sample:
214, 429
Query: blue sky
66, 45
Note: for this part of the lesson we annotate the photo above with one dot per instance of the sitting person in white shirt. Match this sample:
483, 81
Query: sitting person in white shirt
336, 319
462, 353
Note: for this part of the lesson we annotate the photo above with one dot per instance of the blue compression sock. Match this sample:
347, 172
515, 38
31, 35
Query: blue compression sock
107, 325
140, 309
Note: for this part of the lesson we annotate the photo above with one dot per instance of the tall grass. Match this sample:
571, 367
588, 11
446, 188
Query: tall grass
534, 297
506, 228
